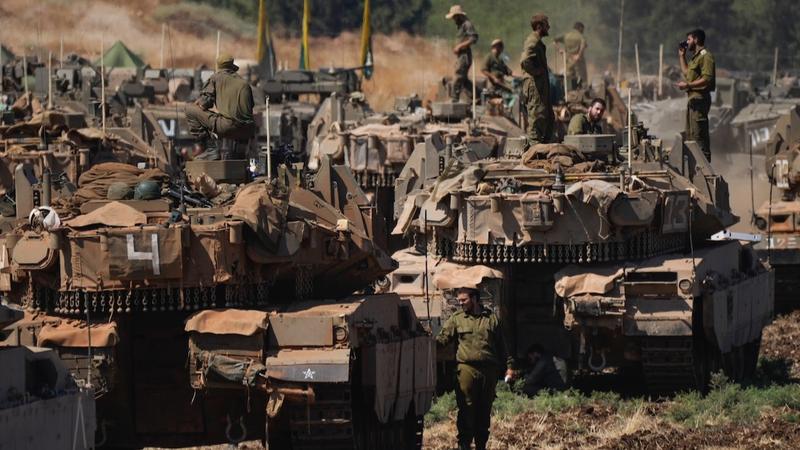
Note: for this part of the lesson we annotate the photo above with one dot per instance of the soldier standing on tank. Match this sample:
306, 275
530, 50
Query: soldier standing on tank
590, 122
536, 83
699, 82
495, 69
467, 37
480, 356
232, 98
575, 46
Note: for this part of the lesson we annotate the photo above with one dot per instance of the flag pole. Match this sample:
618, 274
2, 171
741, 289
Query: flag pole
103, 83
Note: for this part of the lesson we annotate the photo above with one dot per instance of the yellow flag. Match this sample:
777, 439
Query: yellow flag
267, 60
366, 42
305, 61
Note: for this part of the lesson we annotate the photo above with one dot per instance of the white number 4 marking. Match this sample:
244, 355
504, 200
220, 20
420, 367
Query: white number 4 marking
152, 255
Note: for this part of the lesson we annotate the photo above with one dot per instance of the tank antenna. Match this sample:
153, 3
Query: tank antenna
630, 129
269, 143
103, 83
427, 290
474, 93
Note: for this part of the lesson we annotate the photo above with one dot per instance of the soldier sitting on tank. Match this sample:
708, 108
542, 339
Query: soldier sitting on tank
590, 122
480, 355
495, 68
546, 371
232, 99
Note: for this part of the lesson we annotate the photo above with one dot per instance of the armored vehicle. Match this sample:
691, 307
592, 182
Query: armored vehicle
667, 118
265, 283
779, 216
754, 124
41, 405
604, 254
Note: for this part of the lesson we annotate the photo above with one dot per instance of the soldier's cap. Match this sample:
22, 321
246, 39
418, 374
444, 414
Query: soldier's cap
455, 10
539, 18
225, 61
497, 42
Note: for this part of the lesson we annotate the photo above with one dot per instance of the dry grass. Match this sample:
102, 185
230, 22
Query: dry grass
404, 64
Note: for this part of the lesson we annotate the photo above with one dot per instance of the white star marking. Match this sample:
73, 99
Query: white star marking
308, 374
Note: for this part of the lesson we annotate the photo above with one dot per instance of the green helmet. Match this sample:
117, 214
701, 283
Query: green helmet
147, 190
119, 191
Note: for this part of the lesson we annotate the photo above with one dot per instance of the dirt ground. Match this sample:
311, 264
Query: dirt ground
648, 425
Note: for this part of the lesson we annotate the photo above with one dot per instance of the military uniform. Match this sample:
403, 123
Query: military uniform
580, 124
536, 90
479, 355
701, 65
576, 68
233, 117
495, 65
548, 372
464, 60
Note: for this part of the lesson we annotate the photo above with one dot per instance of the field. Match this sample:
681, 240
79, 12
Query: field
765, 415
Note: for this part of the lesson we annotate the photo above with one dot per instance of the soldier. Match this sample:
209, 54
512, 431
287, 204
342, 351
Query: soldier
232, 98
575, 46
480, 350
467, 36
590, 122
700, 80
494, 68
536, 83
546, 372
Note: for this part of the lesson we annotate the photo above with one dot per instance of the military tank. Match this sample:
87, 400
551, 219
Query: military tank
777, 216
36, 388
265, 283
605, 253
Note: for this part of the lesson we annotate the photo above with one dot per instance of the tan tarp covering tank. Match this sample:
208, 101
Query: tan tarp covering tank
113, 214
76, 334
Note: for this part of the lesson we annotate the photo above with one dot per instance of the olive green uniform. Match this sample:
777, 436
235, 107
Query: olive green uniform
580, 124
574, 42
464, 60
700, 66
233, 117
495, 65
479, 355
536, 90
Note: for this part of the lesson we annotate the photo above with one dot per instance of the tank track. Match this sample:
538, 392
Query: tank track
787, 284
331, 423
669, 365
326, 423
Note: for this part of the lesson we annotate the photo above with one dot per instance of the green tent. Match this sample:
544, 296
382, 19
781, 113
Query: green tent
120, 56
7, 55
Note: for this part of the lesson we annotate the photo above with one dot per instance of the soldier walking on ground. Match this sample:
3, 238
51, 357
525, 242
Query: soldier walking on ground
590, 122
480, 352
536, 83
232, 99
575, 45
495, 69
467, 37
699, 82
